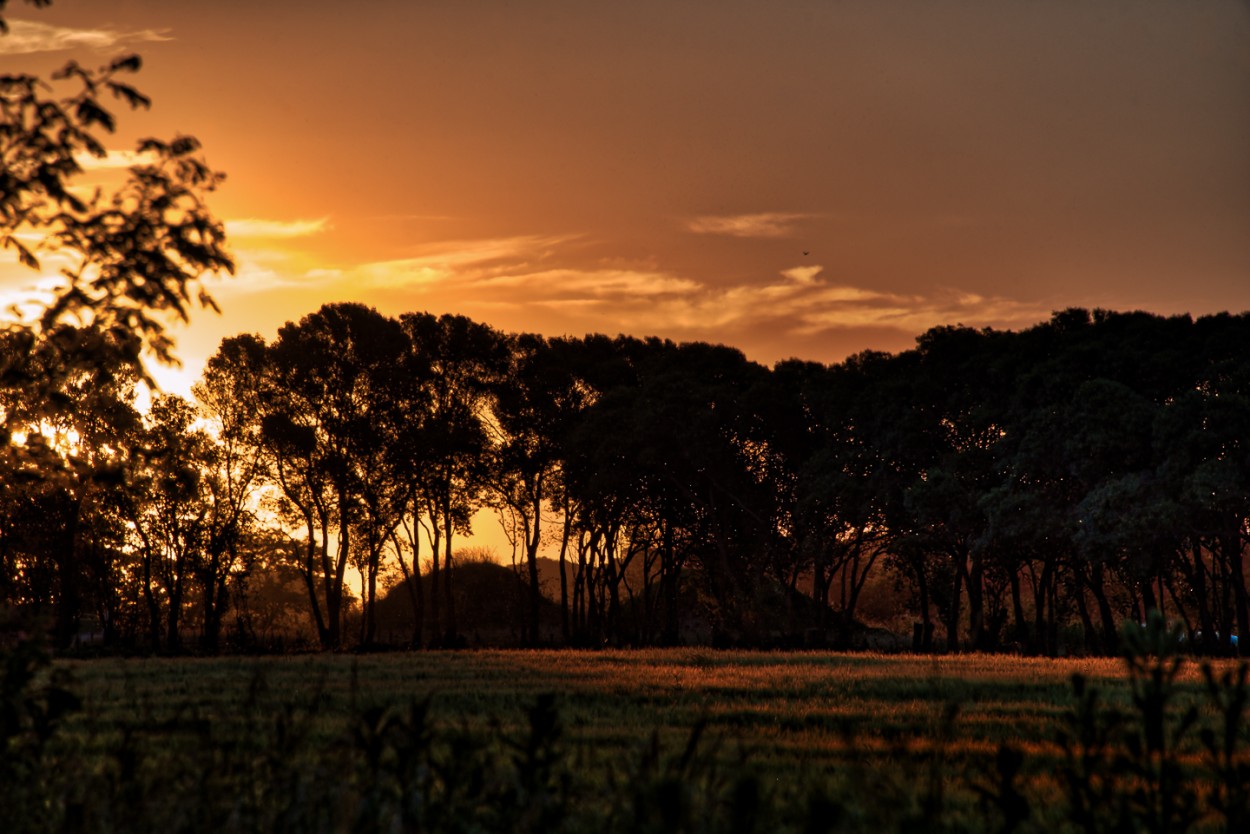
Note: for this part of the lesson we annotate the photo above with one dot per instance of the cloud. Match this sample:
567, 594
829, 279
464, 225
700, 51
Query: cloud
803, 304
805, 275
465, 262
251, 227
513, 274
593, 284
27, 36
113, 160
468, 252
765, 225
547, 281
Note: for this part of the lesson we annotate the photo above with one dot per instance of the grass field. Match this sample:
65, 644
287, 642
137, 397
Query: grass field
787, 708
693, 740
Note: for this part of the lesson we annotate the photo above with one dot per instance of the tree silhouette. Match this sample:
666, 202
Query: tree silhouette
129, 260
462, 360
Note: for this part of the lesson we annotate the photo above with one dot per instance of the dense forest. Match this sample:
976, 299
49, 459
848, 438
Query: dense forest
1027, 490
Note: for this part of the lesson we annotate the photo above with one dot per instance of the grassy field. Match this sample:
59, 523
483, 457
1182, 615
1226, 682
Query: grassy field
789, 709
687, 739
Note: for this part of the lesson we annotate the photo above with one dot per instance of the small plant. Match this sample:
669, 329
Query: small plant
33, 706
1225, 745
1126, 770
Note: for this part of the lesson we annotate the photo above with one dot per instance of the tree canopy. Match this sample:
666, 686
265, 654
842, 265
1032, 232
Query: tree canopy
1027, 490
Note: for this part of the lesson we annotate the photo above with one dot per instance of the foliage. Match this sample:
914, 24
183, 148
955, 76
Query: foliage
131, 258
128, 262
1029, 491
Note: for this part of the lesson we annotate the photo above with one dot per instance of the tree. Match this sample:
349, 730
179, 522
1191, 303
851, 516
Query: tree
228, 400
133, 259
536, 406
135, 256
61, 473
168, 506
461, 361
673, 461
836, 469
326, 418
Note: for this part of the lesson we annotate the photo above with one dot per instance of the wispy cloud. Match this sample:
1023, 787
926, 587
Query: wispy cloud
252, 227
802, 303
112, 160
806, 304
512, 273
465, 262
526, 279
595, 284
804, 275
26, 36
765, 225
466, 252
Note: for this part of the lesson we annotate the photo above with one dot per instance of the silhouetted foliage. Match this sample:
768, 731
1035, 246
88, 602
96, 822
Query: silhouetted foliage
1028, 491
129, 260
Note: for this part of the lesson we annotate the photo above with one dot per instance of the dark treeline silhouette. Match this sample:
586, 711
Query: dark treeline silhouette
1027, 490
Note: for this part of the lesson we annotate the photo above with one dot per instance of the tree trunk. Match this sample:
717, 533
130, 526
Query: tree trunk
670, 586
1017, 612
173, 635
926, 619
1236, 559
564, 579
436, 597
1111, 636
412, 580
976, 603
449, 598
69, 600
532, 541
1197, 577
953, 612
1079, 586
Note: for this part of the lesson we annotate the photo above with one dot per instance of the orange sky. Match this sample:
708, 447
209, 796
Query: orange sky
663, 167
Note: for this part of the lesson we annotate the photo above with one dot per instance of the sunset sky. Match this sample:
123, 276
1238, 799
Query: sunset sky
803, 179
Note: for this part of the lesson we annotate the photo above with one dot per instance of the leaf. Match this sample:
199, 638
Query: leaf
184, 145
71, 68
90, 113
126, 63
133, 97
24, 255
151, 145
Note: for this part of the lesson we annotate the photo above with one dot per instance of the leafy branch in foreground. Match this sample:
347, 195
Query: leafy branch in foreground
126, 259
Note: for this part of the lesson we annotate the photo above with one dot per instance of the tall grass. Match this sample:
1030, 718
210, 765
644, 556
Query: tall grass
677, 741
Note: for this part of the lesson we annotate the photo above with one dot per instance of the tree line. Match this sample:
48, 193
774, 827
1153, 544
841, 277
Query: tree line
1026, 490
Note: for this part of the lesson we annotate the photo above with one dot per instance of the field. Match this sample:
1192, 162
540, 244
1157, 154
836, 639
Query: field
790, 710
620, 740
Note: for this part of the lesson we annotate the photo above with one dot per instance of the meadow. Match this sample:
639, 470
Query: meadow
664, 740
790, 710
